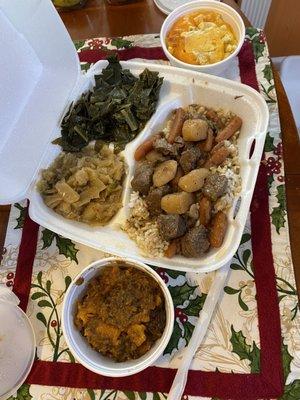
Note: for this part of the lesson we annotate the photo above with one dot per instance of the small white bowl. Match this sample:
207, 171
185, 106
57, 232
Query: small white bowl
79, 346
229, 15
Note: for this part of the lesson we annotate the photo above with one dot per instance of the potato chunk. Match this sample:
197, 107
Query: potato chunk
194, 180
194, 130
164, 173
177, 203
136, 332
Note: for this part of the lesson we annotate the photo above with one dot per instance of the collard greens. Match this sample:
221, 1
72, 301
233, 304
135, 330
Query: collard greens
116, 110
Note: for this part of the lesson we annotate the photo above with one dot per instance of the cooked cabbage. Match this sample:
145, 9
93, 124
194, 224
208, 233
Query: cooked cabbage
85, 186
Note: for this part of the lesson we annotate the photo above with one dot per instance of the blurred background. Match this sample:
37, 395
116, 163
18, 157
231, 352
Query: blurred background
280, 20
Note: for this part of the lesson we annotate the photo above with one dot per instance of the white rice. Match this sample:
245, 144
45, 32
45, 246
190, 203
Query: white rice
144, 230
231, 169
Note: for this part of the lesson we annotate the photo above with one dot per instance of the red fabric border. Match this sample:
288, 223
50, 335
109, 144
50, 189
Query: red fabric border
23, 275
247, 66
266, 384
148, 53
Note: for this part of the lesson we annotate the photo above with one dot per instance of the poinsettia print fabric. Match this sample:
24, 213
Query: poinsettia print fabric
232, 343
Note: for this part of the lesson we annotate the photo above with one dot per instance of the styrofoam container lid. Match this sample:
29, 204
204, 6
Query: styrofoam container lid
39, 69
17, 344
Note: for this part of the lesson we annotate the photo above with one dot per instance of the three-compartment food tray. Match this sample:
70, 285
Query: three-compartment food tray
180, 88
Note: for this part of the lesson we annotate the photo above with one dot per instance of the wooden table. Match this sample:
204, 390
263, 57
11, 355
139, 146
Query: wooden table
101, 19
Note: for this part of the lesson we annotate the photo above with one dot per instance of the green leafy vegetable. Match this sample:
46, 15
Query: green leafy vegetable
116, 110
21, 218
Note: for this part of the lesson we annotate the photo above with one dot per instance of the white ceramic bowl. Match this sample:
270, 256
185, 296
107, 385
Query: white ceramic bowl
229, 15
79, 346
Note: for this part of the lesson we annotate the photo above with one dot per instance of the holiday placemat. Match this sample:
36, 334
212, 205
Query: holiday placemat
252, 347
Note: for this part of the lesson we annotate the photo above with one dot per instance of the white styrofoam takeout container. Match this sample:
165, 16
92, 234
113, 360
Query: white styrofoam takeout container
229, 15
18, 344
28, 146
79, 346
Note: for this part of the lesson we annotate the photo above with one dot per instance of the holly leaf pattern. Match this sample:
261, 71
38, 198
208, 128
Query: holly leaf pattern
78, 44
91, 393
239, 345
121, 43
85, 67
258, 49
267, 71
257, 43
21, 218
270, 180
174, 340
65, 246
129, 395
255, 359
244, 351
188, 329
195, 306
291, 391
281, 196
192, 309
175, 274
267, 93
47, 238
181, 293
286, 361
278, 213
278, 218
251, 32
269, 143
22, 393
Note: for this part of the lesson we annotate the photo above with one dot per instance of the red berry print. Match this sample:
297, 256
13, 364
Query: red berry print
270, 161
278, 150
273, 166
9, 283
53, 323
262, 38
163, 275
180, 315
10, 275
280, 178
95, 44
